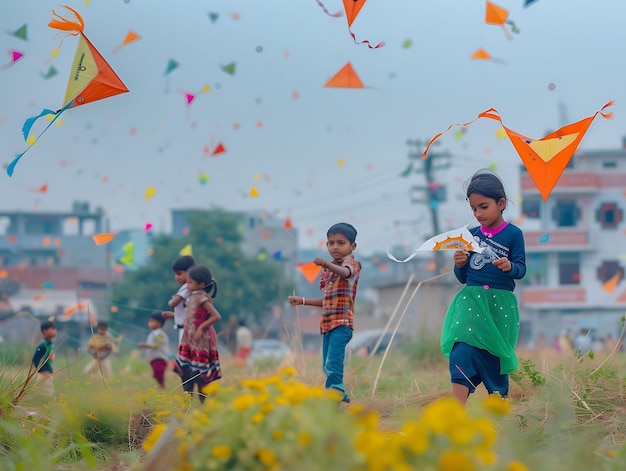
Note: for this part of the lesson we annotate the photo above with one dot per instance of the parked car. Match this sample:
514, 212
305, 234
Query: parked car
363, 342
268, 349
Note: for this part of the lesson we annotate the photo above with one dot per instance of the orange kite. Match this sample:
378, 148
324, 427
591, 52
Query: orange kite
309, 271
496, 15
345, 78
353, 7
545, 158
91, 78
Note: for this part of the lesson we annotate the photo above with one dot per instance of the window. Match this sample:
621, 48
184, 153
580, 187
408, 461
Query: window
609, 215
531, 208
566, 213
536, 269
569, 268
609, 164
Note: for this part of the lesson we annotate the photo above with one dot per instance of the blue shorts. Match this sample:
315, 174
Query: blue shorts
471, 366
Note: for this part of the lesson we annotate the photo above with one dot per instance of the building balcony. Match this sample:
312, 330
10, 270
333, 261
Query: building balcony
558, 240
562, 297
576, 183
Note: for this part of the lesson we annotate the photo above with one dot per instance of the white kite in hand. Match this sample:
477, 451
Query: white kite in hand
455, 239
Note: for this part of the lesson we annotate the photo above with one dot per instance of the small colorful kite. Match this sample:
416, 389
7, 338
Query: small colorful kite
496, 15
310, 271
353, 7
172, 65
219, 149
16, 56
230, 68
345, 78
213, 16
150, 192
545, 158
483, 54
52, 72
91, 79
21, 32
103, 238
131, 37
186, 250
455, 239
128, 250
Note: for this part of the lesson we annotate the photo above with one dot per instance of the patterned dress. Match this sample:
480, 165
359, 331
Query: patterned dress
198, 359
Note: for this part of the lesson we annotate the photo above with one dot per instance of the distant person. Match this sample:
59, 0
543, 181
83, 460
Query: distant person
243, 341
566, 346
177, 303
197, 362
583, 341
44, 354
481, 327
339, 284
101, 346
609, 343
157, 347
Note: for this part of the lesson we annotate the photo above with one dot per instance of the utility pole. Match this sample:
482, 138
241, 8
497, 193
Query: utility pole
433, 192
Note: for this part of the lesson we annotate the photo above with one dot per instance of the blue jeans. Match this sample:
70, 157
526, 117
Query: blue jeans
333, 356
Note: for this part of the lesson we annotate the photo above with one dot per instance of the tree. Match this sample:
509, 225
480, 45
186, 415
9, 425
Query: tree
246, 286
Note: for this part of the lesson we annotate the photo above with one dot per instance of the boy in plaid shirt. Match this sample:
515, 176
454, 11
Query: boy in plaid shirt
339, 284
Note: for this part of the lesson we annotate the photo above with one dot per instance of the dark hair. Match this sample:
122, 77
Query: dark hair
45, 325
158, 316
183, 263
345, 229
486, 183
102, 324
203, 275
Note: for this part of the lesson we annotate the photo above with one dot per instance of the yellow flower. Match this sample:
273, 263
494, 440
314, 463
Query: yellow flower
221, 452
211, 388
455, 461
278, 434
266, 456
497, 404
243, 402
415, 438
443, 414
257, 418
155, 434
304, 439
288, 371
516, 466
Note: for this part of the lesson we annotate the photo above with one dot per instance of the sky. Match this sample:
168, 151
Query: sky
316, 155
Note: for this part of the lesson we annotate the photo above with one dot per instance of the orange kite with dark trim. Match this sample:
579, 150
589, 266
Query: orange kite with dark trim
545, 158
91, 79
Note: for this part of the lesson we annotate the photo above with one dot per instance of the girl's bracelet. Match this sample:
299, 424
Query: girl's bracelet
303, 301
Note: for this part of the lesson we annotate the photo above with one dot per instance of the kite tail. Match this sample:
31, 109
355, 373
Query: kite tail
334, 15
365, 41
608, 115
73, 27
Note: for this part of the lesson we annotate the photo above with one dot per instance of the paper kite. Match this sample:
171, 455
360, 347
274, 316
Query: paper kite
131, 37
496, 15
310, 271
16, 56
128, 249
230, 68
254, 192
150, 192
186, 250
455, 239
103, 238
345, 78
610, 284
213, 17
545, 158
353, 7
91, 79
52, 72
172, 65
220, 149
21, 32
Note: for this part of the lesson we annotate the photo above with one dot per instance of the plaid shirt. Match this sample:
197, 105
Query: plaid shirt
339, 294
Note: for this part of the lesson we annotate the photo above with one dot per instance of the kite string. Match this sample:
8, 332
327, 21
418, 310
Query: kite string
334, 15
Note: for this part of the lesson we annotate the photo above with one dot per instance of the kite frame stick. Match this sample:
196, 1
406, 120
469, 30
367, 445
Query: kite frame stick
393, 315
395, 330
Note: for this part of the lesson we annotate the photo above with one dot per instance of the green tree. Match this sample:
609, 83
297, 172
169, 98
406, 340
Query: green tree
246, 286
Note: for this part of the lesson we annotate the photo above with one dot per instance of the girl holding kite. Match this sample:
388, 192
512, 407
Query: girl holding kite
481, 326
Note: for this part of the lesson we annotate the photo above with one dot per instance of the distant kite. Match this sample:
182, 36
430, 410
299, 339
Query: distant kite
545, 158
345, 78
91, 79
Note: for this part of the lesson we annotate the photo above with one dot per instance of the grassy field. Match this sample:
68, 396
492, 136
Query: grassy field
566, 413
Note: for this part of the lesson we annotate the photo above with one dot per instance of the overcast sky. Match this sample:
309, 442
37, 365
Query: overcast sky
320, 155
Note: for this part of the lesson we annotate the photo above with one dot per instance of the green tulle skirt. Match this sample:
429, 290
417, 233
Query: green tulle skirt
483, 318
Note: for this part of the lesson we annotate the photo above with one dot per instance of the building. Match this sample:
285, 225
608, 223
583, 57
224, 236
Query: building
575, 264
